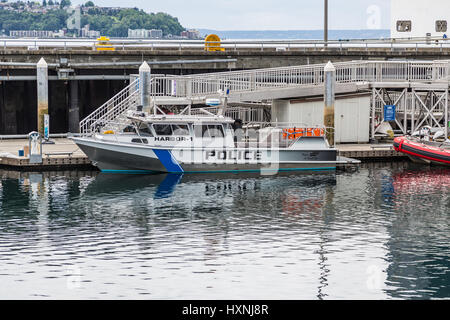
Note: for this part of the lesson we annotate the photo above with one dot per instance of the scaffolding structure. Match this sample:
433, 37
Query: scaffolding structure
417, 105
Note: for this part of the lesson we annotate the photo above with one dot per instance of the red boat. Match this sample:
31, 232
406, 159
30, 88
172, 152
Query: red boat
423, 151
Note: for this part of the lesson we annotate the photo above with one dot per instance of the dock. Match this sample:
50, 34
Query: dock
370, 152
65, 155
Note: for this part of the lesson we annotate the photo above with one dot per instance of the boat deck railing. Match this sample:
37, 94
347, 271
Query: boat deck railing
251, 135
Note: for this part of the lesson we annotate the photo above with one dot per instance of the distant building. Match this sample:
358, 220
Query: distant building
61, 33
103, 10
144, 33
417, 18
74, 20
85, 32
31, 34
191, 34
156, 34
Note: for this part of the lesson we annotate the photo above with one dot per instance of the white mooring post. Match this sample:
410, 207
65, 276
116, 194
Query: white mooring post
42, 93
144, 85
329, 97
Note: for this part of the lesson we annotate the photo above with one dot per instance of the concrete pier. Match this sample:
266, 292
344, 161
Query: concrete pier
42, 93
74, 108
63, 154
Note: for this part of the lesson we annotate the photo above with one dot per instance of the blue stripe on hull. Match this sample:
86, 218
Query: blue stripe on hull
168, 161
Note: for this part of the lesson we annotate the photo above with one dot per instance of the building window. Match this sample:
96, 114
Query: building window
441, 26
404, 26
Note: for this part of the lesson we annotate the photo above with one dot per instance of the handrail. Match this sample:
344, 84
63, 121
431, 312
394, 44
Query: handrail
261, 79
112, 114
110, 105
123, 43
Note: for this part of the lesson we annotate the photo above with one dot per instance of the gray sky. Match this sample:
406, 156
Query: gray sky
266, 14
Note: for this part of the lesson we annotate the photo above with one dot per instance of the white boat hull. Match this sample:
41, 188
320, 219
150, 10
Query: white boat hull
129, 158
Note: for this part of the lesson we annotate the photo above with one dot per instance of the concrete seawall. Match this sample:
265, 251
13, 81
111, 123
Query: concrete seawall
252, 58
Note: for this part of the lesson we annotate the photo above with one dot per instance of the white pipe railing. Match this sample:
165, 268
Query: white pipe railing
108, 111
280, 45
261, 79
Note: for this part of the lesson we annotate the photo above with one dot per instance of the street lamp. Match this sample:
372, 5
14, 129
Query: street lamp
325, 28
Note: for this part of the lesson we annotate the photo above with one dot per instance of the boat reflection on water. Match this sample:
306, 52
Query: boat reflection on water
410, 182
105, 183
307, 192
418, 241
166, 184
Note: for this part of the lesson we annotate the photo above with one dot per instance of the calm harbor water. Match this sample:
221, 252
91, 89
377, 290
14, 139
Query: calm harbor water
379, 233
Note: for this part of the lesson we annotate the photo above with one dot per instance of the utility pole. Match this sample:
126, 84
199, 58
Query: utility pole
325, 27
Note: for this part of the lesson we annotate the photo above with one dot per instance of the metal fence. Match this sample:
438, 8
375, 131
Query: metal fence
310, 75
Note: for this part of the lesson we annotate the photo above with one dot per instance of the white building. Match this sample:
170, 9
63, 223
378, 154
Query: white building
31, 34
351, 118
143, 33
418, 18
85, 32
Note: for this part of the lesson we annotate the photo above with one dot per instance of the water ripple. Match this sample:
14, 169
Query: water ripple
89, 235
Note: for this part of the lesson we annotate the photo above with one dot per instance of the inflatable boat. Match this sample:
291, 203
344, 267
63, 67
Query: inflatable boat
422, 151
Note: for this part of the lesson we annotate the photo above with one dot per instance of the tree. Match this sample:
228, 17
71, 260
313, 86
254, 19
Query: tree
44, 3
89, 4
65, 3
114, 23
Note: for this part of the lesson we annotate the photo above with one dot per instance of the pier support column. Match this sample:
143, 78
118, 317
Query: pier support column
144, 85
329, 97
74, 108
42, 93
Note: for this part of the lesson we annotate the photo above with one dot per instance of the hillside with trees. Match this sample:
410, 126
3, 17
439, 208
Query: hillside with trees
113, 22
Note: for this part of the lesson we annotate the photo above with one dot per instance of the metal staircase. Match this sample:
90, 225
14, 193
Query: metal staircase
112, 111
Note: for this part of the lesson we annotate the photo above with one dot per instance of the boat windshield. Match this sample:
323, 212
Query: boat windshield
144, 130
209, 131
171, 129
180, 130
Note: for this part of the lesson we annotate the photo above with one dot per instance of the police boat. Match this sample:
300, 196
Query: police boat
198, 141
